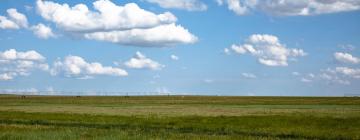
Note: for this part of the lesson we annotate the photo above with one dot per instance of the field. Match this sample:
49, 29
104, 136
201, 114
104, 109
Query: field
179, 117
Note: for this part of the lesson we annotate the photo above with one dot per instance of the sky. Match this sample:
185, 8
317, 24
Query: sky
192, 47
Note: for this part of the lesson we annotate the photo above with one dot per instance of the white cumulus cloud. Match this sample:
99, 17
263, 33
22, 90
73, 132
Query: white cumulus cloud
140, 61
75, 66
125, 25
189, 5
346, 58
108, 16
15, 20
15, 63
42, 31
268, 50
160, 36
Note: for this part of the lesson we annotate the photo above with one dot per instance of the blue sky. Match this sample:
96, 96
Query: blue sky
219, 47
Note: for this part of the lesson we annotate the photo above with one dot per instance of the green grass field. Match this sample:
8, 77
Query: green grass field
179, 117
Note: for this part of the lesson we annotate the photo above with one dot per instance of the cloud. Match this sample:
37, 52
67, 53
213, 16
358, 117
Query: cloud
108, 16
337, 75
295, 73
75, 66
14, 63
268, 50
291, 7
12, 54
305, 80
140, 61
347, 47
15, 20
237, 6
189, 5
6, 76
124, 25
350, 72
174, 57
160, 36
346, 58
249, 75
42, 31
28, 91
227, 51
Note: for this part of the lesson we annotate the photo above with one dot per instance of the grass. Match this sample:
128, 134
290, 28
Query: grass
179, 117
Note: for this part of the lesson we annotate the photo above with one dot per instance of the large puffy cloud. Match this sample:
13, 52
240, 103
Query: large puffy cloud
15, 20
108, 16
42, 31
75, 66
189, 5
140, 61
160, 36
268, 50
124, 25
346, 58
291, 7
14, 63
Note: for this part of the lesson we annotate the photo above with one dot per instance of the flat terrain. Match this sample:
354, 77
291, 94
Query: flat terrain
178, 117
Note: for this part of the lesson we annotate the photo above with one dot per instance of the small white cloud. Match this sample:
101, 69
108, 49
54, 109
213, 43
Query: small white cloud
5, 23
75, 66
140, 61
189, 5
15, 20
346, 58
174, 57
42, 31
227, 51
19, 18
6, 76
219, 2
14, 63
350, 72
305, 80
28, 7
249, 75
295, 73
268, 50
337, 75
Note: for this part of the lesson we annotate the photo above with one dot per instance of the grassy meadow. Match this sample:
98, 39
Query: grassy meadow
179, 117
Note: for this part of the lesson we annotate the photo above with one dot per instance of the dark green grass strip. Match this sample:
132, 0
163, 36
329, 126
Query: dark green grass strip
257, 126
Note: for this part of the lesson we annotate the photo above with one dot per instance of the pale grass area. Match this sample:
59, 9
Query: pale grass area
189, 110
